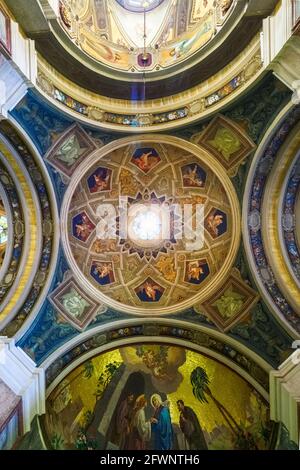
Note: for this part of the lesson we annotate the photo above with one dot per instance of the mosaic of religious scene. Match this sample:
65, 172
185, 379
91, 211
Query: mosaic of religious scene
102, 272
216, 223
193, 176
100, 180
196, 271
145, 159
156, 261
156, 397
82, 226
149, 291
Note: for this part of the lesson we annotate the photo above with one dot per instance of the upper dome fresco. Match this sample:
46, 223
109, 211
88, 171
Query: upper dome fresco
143, 35
140, 5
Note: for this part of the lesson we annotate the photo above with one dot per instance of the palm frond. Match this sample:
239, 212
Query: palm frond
200, 382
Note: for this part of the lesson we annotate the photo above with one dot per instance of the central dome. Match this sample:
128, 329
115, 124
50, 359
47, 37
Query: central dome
145, 224
150, 226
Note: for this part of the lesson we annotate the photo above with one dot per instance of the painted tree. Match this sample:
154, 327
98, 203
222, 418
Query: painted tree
201, 390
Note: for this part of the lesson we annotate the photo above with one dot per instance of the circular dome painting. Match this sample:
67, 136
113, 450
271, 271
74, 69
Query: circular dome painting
150, 225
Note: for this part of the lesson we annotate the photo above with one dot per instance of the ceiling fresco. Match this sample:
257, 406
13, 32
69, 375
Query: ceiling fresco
234, 308
155, 266
149, 225
105, 402
116, 33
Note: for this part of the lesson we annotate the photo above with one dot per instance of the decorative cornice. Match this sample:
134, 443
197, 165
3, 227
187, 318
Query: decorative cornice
271, 219
288, 217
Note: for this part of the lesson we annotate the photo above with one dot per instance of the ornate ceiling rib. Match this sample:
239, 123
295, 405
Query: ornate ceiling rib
165, 113
135, 269
230, 41
26, 287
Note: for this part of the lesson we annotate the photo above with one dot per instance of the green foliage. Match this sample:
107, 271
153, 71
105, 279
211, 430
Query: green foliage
244, 440
83, 443
88, 369
106, 377
265, 433
200, 382
57, 441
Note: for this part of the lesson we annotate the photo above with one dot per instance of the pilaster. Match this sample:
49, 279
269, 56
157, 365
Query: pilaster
24, 378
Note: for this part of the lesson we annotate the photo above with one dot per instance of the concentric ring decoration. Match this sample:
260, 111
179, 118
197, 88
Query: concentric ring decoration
127, 275
33, 239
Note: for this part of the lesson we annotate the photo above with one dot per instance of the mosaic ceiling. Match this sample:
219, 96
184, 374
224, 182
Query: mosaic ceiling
125, 212
134, 36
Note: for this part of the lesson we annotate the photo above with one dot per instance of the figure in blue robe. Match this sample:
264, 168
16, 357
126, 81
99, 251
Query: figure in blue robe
161, 425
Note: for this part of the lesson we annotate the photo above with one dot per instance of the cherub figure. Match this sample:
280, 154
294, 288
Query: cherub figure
101, 183
84, 229
213, 223
143, 161
191, 178
151, 290
194, 271
104, 270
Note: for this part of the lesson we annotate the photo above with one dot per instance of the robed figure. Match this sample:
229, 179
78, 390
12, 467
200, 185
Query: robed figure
190, 426
161, 424
140, 428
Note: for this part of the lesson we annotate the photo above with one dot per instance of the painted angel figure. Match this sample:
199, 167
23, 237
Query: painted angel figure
143, 161
194, 271
151, 290
213, 222
191, 178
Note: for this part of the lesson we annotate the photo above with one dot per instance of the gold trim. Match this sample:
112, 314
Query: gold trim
271, 220
32, 241
217, 169
248, 65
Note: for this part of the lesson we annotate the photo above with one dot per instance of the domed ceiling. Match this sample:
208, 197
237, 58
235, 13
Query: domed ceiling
125, 211
137, 35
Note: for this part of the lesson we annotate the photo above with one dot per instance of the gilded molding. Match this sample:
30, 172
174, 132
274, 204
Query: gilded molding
211, 343
271, 220
42, 242
31, 235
